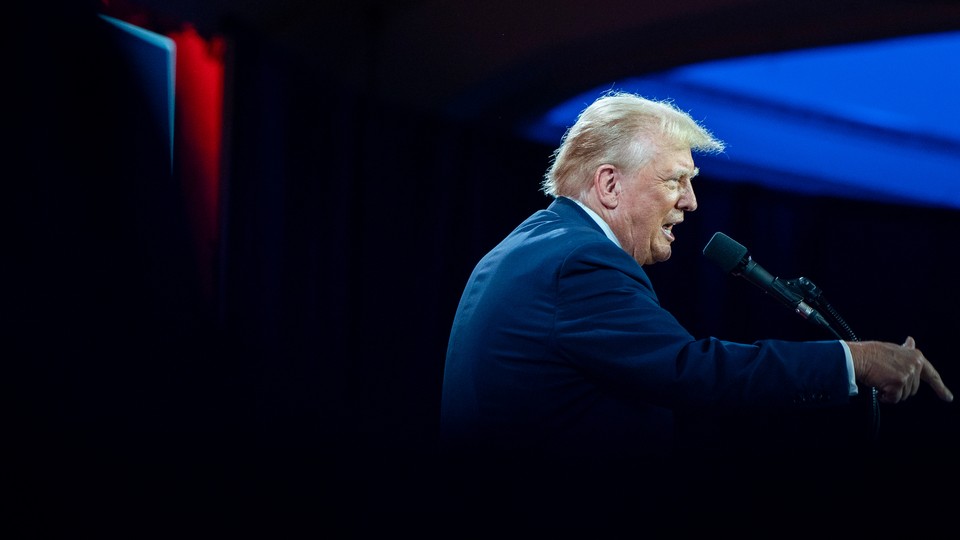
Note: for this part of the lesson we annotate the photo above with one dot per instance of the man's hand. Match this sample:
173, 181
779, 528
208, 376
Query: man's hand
895, 370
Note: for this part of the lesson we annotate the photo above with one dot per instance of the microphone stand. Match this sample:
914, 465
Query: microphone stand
813, 296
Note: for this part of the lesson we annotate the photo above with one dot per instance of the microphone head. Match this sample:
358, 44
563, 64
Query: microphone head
726, 252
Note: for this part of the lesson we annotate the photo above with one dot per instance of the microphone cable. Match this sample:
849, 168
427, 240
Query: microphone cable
814, 296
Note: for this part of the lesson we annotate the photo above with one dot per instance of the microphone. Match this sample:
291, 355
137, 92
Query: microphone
735, 259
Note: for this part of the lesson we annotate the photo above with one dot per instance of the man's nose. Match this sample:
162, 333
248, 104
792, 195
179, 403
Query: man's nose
688, 200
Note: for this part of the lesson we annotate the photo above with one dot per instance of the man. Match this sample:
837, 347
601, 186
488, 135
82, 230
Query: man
560, 354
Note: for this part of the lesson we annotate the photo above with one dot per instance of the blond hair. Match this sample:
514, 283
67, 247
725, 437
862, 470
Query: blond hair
624, 130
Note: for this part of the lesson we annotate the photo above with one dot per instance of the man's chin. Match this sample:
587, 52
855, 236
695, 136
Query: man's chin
655, 258
662, 255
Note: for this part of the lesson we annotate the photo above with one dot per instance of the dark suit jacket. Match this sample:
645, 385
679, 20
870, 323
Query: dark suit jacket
560, 346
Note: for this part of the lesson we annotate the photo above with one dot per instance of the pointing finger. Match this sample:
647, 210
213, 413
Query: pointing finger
932, 377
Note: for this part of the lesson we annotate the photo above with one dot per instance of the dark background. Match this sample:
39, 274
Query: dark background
371, 160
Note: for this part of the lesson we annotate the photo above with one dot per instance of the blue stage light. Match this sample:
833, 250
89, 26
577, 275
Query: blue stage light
876, 121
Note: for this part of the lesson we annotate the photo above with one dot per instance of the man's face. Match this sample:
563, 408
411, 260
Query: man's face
652, 202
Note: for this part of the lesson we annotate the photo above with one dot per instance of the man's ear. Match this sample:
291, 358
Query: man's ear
606, 180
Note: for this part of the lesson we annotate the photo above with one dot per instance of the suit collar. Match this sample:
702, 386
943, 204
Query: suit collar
570, 209
567, 208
